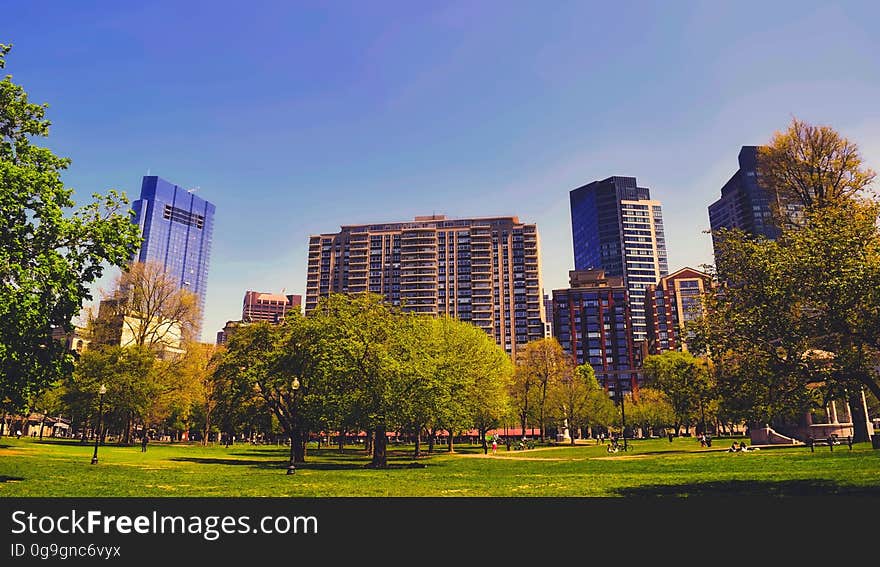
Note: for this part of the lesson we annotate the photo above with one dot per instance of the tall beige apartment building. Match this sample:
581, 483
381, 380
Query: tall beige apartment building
483, 270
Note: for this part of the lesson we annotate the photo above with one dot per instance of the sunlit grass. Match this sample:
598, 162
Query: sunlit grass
652, 467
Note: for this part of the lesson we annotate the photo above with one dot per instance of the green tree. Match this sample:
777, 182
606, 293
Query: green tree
687, 383
812, 290
541, 364
127, 374
578, 400
49, 255
360, 357
651, 411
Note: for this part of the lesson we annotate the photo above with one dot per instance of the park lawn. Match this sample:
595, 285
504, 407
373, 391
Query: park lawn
652, 467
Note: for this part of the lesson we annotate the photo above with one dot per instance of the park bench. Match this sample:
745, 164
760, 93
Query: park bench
831, 441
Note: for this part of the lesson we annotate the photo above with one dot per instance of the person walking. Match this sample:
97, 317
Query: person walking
144, 440
494, 445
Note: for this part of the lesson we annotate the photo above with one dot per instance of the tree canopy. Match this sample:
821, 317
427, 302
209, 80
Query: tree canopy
50, 252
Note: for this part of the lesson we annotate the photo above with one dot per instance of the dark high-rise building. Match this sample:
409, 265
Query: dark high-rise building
670, 305
482, 270
745, 204
177, 228
591, 320
618, 228
271, 307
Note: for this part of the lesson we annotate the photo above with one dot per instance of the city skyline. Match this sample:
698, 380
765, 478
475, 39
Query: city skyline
394, 110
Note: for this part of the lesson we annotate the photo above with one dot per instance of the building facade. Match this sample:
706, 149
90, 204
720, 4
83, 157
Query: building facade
591, 320
177, 228
271, 307
485, 271
676, 300
618, 228
744, 203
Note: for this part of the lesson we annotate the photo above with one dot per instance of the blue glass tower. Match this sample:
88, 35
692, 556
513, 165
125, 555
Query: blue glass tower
618, 228
177, 228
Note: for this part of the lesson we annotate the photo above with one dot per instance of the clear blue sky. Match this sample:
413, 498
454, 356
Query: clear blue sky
297, 117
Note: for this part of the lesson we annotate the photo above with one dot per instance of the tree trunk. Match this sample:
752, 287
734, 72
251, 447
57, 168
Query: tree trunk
450, 443
127, 438
859, 413
341, 440
300, 449
42, 422
380, 455
432, 438
417, 452
207, 429
484, 443
368, 442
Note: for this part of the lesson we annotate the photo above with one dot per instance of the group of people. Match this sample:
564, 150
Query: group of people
742, 447
705, 440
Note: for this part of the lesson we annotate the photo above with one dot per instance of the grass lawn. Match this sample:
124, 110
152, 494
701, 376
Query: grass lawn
653, 467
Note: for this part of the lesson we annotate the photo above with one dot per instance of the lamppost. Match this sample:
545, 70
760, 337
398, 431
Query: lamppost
622, 413
291, 468
101, 393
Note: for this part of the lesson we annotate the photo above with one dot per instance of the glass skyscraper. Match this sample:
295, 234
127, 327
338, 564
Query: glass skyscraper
618, 228
177, 228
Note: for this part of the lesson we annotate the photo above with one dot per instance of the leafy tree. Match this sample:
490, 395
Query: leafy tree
275, 363
579, 400
541, 363
360, 354
202, 362
651, 411
685, 380
813, 290
811, 167
49, 255
127, 374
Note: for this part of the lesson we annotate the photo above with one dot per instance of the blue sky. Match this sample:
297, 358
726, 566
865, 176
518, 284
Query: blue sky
297, 117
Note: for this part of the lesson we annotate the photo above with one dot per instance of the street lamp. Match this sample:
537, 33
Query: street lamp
291, 468
101, 393
622, 413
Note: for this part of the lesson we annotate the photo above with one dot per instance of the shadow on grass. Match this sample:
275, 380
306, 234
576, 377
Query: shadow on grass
261, 464
268, 465
4, 478
783, 489
317, 466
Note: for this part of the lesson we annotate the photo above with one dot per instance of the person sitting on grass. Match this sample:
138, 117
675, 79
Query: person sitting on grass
742, 446
734, 448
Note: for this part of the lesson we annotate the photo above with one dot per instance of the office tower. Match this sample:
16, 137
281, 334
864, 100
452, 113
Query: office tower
618, 228
591, 320
177, 228
482, 270
670, 304
745, 204
271, 307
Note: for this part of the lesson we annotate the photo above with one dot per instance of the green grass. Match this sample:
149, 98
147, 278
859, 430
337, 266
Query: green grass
652, 468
